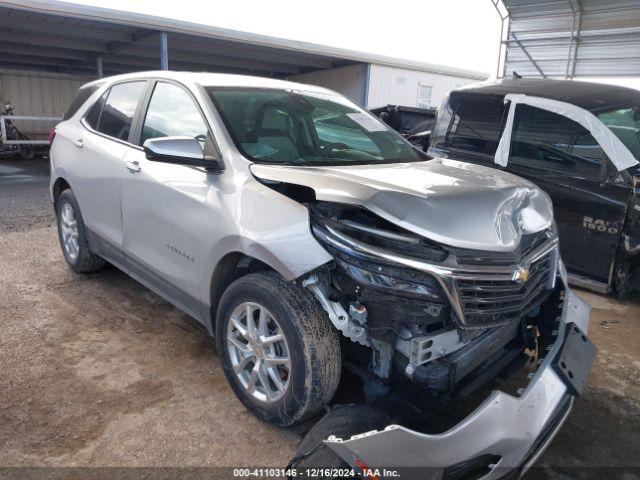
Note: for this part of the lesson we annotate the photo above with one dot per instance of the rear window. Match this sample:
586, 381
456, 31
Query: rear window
81, 96
475, 124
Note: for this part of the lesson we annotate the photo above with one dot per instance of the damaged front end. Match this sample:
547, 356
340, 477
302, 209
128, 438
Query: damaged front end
427, 320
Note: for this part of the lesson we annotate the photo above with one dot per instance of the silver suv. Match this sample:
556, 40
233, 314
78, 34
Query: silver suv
313, 242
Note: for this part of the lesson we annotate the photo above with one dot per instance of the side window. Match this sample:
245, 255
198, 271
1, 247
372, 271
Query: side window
476, 124
172, 112
544, 140
93, 116
119, 109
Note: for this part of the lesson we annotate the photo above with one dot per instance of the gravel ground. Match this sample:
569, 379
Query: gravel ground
97, 371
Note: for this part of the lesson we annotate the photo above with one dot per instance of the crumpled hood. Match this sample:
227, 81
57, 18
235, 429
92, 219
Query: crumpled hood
454, 203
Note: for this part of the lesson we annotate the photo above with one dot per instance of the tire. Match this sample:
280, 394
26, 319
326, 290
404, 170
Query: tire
311, 344
80, 258
343, 421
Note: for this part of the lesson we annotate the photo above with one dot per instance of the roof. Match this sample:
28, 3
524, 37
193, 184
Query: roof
588, 95
216, 80
572, 38
73, 36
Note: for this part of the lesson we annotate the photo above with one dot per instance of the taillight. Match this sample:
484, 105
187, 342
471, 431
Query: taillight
52, 135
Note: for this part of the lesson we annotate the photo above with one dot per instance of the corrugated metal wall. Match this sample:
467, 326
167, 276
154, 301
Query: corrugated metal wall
349, 81
573, 38
397, 86
39, 94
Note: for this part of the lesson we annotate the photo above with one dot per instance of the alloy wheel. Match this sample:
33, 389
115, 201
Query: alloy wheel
258, 352
69, 229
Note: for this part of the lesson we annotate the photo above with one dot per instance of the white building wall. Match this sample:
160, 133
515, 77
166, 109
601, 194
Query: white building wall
37, 94
398, 86
349, 81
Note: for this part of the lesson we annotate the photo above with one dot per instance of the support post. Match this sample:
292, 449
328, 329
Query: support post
529, 57
164, 51
99, 67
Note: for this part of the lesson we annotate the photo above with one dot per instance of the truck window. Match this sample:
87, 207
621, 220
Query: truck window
625, 124
476, 124
544, 140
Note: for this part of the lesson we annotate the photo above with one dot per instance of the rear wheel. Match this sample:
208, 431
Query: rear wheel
72, 235
278, 349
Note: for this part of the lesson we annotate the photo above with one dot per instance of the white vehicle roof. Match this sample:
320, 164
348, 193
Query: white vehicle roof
216, 80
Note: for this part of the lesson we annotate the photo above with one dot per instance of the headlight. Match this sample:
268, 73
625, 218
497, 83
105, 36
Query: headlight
338, 227
378, 280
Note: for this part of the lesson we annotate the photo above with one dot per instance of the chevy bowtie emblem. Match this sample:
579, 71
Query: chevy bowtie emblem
521, 275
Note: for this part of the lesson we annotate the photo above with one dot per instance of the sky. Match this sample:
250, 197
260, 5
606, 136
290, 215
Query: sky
419, 30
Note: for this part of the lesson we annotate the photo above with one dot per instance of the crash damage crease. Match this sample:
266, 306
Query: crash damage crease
411, 290
432, 199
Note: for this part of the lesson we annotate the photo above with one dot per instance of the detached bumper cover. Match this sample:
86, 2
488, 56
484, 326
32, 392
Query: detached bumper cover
515, 429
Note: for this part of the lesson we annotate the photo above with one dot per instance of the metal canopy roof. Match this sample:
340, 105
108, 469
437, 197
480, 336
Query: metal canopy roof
70, 38
571, 38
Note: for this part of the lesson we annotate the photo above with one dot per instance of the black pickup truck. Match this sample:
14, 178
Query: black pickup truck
413, 123
578, 141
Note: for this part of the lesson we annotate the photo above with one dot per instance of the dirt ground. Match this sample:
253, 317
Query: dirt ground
97, 371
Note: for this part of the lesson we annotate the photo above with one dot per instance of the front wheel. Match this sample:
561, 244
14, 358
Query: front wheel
278, 349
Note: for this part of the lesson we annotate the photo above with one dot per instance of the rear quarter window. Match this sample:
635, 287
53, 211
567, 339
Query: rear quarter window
82, 96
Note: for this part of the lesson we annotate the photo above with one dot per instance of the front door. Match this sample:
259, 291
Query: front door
163, 205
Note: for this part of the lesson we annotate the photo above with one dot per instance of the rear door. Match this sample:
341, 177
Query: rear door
562, 158
102, 145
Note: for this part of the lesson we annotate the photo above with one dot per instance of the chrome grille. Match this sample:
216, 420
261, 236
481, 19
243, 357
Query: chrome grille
496, 302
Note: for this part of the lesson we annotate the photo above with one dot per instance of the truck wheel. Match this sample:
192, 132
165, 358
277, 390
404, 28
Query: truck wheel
278, 349
72, 235
343, 421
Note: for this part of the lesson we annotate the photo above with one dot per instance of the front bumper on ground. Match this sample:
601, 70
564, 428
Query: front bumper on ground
511, 431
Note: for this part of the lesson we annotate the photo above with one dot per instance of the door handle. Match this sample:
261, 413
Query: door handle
78, 142
132, 166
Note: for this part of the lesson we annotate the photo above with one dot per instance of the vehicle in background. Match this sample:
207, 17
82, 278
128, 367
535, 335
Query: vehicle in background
11, 132
412, 123
577, 141
312, 241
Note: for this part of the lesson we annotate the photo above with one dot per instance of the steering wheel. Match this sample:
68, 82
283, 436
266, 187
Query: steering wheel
333, 146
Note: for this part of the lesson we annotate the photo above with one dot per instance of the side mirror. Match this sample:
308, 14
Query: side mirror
180, 151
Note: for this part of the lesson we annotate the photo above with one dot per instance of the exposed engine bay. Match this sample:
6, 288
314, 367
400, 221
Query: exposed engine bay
378, 294
443, 308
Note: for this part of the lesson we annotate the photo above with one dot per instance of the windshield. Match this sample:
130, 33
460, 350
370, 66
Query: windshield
306, 128
625, 124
